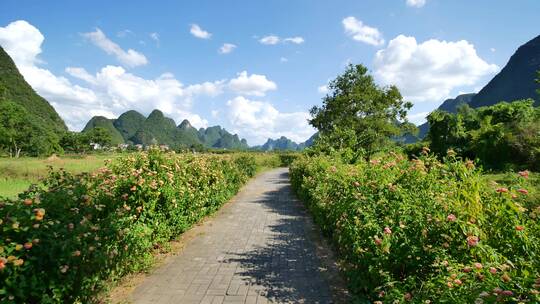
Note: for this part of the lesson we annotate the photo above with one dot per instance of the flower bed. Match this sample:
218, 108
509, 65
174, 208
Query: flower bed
62, 242
423, 231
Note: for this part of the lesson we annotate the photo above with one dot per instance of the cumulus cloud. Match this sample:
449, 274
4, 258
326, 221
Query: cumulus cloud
129, 58
418, 118
358, 31
198, 32
273, 40
259, 120
109, 92
254, 84
226, 48
416, 3
429, 71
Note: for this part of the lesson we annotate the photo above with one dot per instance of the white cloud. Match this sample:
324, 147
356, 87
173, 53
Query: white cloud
416, 3
155, 36
258, 121
226, 48
418, 118
269, 40
256, 85
295, 40
429, 71
323, 89
109, 92
283, 59
361, 32
493, 50
129, 58
124, 33
273, 40
198, 32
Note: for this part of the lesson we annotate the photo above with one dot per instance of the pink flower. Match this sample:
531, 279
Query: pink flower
502, 190
356, 184
458, 282
478, 265
387, 230
524, 174
519, 228
492, 270
378, 241
333, 169
451, 218
467, 269
523, 191
408, 296
472, 241
507, 293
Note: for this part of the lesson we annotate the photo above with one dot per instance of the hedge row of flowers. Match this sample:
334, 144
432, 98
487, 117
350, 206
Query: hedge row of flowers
62, 242
425, 231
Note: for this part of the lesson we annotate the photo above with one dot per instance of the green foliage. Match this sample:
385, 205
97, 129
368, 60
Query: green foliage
425, 231
500, 136
21, 135
129, 123
356, 103
14, 88
61, 242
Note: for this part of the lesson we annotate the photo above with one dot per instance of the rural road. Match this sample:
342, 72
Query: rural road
259, 248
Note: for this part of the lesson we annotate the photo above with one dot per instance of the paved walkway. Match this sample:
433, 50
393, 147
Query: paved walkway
258, 249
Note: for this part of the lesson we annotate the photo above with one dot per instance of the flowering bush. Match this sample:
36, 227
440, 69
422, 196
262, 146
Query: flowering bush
61, 242
425, 231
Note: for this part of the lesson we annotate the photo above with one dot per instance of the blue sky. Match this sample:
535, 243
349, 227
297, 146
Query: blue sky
106, 57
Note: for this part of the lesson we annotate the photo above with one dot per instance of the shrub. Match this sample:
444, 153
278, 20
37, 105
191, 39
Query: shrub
62, 242
425, 231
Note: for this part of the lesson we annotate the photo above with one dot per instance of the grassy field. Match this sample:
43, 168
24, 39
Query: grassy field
17, 174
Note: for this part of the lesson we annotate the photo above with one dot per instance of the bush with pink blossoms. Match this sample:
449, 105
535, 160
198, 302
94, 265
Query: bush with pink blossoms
62, 243
425, 231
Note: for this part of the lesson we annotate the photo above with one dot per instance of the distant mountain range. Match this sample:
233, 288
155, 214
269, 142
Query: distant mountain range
283, 144
134, 128
514, 82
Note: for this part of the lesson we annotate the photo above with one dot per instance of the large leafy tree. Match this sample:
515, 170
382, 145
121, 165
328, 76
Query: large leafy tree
20, 134
371, 115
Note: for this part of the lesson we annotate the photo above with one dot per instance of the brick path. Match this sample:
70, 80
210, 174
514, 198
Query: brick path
258, 249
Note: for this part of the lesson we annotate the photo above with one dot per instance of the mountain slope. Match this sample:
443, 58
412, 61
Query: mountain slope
107, 124
13, 87
516, 79
129, 123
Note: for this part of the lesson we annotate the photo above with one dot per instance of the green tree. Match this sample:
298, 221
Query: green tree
375, 114
75, 142
100, 136
19, 134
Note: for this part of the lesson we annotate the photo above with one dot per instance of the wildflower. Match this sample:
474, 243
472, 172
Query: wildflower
458, 282
502, 190
479, 301
15, 225
125, 196
472, 241
333, 169
467, 269
76, 253
35, 241
451, 153
519, 228
356, 184
377, 241
507, 293
451, 218
133, 188
484, 294
492, 270
523, 191
381, 294
71, 226
18, 247
425, 150
524, 174
505, 278
2, 264
64, 268
18, 262
28, 202
469, 164
407, 296
387, 230
27, 246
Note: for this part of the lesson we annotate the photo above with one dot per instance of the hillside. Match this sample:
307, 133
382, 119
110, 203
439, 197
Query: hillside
107, 124
133, 127
13, 87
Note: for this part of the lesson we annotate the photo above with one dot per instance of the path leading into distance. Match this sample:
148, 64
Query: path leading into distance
260, 248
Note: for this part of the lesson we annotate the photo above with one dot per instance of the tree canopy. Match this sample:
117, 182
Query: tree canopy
369, 115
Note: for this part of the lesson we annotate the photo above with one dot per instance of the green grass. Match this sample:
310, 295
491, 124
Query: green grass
511, 179
17, 174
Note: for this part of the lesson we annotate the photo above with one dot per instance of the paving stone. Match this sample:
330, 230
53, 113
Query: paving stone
255, 250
